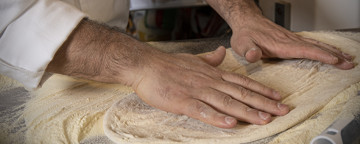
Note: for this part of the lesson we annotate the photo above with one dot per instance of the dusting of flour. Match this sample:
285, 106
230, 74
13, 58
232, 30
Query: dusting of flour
306, 86
67, 110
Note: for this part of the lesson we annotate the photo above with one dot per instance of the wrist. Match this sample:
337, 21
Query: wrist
126, 61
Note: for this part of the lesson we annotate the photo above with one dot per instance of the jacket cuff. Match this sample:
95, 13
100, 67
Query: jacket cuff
29, 43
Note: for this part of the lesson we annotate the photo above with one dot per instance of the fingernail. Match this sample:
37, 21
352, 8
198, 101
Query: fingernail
229, 120
210, 54
281, 106
253, 49
276, 94
263, 115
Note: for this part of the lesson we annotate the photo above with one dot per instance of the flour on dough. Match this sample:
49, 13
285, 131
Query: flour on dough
345, 104
306, 86
68, 110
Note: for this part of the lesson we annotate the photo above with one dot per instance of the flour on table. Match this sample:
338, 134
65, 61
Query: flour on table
306, 86
67, 110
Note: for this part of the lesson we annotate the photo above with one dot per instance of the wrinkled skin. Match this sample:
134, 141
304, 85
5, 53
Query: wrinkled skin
190, 85
178, 83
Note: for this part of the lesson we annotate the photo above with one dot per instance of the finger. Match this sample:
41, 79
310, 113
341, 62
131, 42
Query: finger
330, 48
247, 48
347, 56
314, 53
345, 65
323, 55
344, 59
325, 58
253, 99
201, 111
232, 107
251, 85
309, 52
214, 58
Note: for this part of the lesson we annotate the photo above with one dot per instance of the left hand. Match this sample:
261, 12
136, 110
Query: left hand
259, 38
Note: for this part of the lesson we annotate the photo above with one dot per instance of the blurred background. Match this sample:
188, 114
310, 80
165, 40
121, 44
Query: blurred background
168, 20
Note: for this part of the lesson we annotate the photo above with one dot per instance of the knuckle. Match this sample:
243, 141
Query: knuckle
216, 73
200, 80
228, 101
246, 81
244, 93
246, 111
205, 96
266, 102
196, 108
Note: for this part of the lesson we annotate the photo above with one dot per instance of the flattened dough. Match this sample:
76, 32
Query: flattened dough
305, 85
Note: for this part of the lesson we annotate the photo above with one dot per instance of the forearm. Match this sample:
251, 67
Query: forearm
99, 53
236, 12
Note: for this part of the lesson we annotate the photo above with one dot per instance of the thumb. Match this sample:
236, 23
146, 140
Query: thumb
247, 48
214, 58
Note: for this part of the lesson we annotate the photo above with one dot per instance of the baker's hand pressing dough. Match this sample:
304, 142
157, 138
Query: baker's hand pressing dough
177, 83
191, 85
256, 37
261, 38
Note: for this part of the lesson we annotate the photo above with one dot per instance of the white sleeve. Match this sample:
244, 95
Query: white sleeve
31, 33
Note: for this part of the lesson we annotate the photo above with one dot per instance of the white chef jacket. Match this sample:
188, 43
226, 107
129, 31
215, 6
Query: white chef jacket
33, 30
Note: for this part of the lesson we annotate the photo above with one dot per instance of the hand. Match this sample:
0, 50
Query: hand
258, 38
177, 83
190, 85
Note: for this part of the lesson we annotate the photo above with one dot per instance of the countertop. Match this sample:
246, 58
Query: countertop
15, 97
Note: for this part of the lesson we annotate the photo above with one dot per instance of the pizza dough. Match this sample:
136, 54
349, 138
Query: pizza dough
68, 110
345, 105
306, 86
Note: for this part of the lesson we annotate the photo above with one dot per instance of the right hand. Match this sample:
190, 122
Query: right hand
260, 38
191, 85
